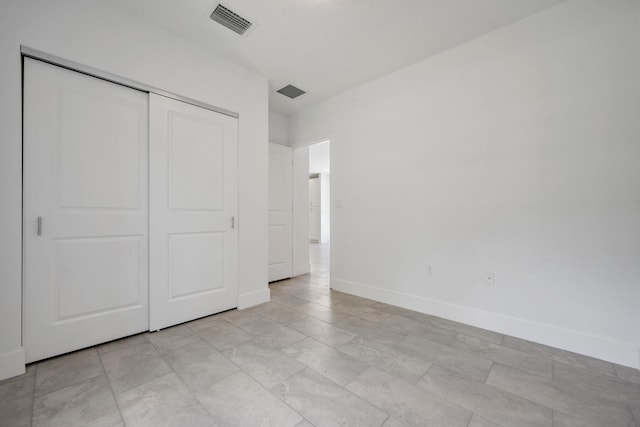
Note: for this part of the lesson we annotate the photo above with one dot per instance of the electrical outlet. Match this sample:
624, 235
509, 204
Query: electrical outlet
429, 271
489, 279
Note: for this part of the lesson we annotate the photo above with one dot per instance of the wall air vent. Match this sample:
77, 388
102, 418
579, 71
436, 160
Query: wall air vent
291, 91
231, 20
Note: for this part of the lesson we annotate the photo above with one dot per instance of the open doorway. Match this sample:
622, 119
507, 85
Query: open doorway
320, 211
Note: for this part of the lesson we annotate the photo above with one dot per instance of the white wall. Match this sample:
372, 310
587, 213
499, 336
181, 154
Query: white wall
278, 128
517, 153
95, 34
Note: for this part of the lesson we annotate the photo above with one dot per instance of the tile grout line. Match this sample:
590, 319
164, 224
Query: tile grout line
240, 368
33, 397
191, 393
113, 393
518, 397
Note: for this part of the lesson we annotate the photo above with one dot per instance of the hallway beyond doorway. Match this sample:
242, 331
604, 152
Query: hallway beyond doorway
319, 258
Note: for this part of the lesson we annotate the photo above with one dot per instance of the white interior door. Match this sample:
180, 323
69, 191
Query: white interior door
193, 212
314, 210
85, 211
280, 212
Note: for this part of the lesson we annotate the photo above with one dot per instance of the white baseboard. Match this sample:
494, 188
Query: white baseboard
12, 363
301, 269
254, 298
590, 345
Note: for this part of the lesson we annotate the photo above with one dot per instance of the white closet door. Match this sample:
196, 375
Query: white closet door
193, 212
280, 212
301, 211
85, 211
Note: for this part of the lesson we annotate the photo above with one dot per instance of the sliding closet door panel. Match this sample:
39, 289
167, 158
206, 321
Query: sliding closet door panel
85, 210
193, 202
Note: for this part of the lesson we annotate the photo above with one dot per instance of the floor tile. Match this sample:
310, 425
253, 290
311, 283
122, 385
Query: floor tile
271, 334
16, 401
468, 330
560, 397
472, 366
487, 401
173, 337
425, 330
564, 420
400, 311
199, 365
322, 331
631, 375
605, 386
322, 312
164, 402
392, 422
204, 323
319, 297
504, 355
559, 355
370, 330
267, 366
110, 346
239, 400
62, 371
287, 300
635, 409
407, 402
478, 421
240, 317
388, 359
364, 312
324, 403
133, 366
333, 364
87, 403
220, 333
278, 313
342, 298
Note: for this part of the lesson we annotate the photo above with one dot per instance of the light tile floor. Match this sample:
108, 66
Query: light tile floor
318, 357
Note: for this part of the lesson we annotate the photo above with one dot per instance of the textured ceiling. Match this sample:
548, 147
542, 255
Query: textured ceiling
325, 47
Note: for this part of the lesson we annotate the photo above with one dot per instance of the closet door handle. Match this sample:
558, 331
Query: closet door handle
39, 226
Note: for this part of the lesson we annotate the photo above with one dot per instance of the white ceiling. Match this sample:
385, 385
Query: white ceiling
328, 46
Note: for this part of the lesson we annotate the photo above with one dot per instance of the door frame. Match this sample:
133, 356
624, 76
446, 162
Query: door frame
301, 264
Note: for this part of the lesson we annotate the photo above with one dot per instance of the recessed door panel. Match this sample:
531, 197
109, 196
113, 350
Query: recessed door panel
114, 263
196, 264
196, 163
101, 158
85, 211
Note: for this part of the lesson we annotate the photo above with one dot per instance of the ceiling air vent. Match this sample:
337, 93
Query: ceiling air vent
230, 19
291, 91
